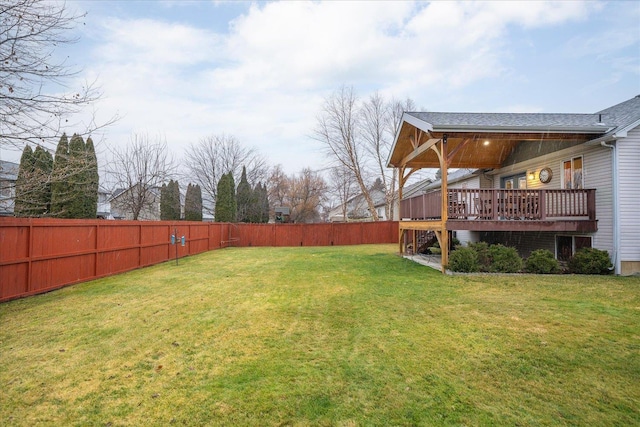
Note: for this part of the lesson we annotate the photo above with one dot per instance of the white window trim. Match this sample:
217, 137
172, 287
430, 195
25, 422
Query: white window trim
562, 179
573, 242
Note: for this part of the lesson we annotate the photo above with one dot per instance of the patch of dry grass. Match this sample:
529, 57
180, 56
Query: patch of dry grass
322, 336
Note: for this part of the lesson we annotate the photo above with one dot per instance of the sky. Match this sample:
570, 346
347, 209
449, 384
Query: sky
260, 71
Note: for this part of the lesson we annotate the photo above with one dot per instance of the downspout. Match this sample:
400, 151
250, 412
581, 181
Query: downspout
616, 210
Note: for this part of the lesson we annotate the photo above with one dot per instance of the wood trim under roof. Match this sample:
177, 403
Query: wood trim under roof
467, 149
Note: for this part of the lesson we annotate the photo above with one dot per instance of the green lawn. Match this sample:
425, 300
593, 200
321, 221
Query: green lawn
322, 336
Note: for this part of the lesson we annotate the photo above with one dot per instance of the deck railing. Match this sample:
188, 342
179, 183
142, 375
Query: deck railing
499, 204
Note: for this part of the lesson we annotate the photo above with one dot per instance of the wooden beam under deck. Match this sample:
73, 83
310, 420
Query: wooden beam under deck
578, 226
421, 225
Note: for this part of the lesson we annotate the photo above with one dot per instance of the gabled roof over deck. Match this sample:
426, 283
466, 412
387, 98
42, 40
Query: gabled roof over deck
484, 140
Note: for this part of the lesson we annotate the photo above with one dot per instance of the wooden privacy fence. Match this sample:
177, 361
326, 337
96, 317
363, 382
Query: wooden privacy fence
38, 255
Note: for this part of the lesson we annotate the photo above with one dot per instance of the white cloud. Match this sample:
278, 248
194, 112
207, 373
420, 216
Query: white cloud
149, 41
265, 79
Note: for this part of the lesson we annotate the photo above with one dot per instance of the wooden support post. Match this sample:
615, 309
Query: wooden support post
444, 238
413, 242
400, 186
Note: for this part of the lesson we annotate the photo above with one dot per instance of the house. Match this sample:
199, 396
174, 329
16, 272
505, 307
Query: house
8, 177
124, 201
539, 181
104, 204
357, 208
282, 214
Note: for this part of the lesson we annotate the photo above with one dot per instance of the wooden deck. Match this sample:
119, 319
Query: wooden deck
503, 210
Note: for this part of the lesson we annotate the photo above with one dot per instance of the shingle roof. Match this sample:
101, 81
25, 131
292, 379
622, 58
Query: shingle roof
8, 170
608, 120
622, 115
511, 120
424, 186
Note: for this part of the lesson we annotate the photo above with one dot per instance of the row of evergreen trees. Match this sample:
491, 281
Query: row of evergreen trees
170, 202
64, 187
247, 205
67, 187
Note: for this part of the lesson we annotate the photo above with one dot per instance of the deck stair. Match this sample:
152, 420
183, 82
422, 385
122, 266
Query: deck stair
424, 240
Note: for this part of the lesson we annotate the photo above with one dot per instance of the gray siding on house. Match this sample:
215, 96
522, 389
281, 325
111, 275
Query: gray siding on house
485, 181
597, 174
629, 191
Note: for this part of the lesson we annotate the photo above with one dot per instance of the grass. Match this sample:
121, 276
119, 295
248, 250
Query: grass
340, 336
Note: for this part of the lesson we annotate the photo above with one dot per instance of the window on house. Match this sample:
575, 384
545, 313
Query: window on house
572, 173
566, 246
514, 182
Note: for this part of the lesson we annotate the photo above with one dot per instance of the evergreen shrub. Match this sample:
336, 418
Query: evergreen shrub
504, 259
590, 261
482, 257
482, 249
464, 260
542, 261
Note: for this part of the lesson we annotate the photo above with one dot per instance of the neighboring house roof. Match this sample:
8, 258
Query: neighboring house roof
8, 170
117, 192
377, 196
415, 188
453, 177
8, 177
428, 185
284, 210
153, 190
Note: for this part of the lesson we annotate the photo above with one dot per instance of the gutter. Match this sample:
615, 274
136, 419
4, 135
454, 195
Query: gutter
597, 129
616, 210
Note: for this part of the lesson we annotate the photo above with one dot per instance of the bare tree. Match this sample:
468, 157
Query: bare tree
373, 124
342, 186
380, 123
138, 172
217, 155
278, 187
34, 101
306, 194
338, 129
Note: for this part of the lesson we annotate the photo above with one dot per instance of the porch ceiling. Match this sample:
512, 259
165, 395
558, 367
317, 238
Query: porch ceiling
466, 148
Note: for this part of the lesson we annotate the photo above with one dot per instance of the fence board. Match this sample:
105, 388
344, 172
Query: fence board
60, 240
39, 254
118, 236
16, 242
15, 280
56, 272
289, 235
318, 235
347, 234
117, 261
